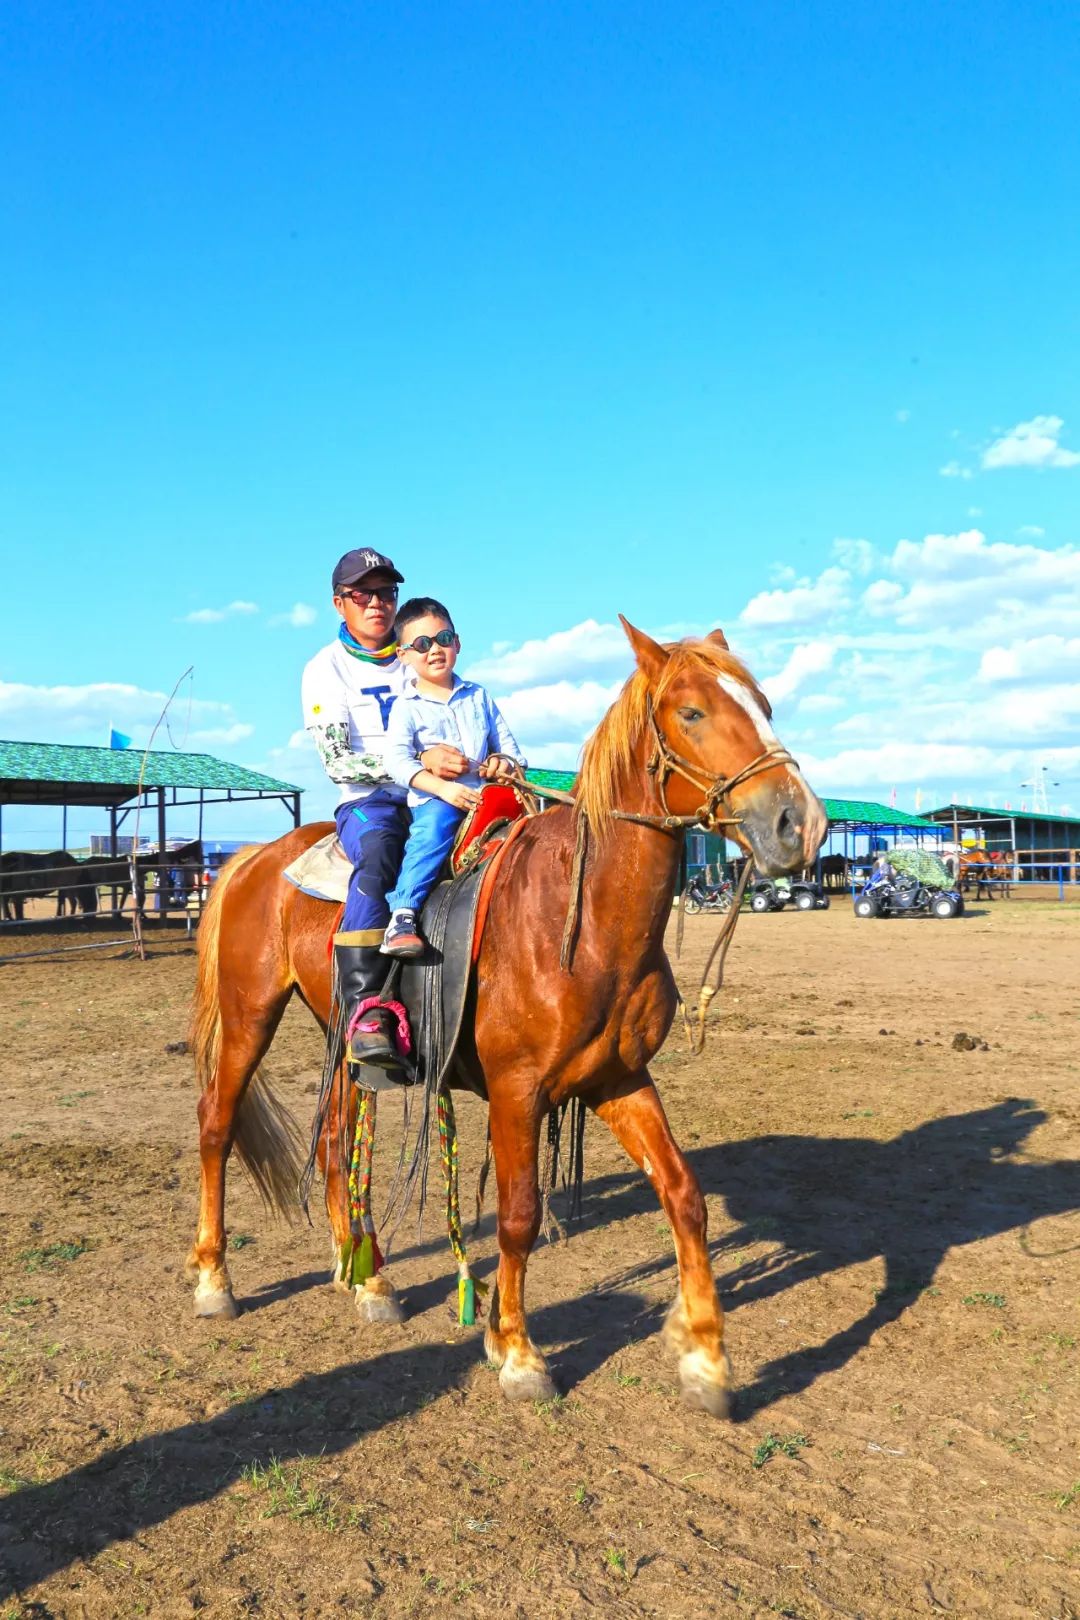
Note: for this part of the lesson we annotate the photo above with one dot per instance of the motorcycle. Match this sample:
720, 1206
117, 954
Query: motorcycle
702, 896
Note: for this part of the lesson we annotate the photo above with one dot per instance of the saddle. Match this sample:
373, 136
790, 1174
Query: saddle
323, 871
432, 988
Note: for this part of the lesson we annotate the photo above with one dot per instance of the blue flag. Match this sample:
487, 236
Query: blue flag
118, 739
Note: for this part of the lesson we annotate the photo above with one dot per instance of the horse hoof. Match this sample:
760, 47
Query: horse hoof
526, 1383
219, 1303
711, 1398
706, 1385
379, 1308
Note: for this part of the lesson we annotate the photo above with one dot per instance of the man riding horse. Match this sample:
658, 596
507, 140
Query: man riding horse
349, 688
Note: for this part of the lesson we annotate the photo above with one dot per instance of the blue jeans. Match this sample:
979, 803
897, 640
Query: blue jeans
431, 838
373, 833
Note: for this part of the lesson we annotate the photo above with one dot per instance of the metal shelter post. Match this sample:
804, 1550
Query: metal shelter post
161, 851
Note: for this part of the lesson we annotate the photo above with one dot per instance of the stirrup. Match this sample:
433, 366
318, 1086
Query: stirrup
392, 1055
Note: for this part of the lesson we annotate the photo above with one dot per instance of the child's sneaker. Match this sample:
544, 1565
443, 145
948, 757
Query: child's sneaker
401, 937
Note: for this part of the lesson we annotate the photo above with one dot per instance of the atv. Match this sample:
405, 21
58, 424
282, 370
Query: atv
901, 895
773, 894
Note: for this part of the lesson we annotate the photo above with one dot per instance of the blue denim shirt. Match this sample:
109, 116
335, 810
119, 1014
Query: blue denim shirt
469, 720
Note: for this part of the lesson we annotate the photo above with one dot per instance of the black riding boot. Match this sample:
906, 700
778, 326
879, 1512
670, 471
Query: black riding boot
362, 972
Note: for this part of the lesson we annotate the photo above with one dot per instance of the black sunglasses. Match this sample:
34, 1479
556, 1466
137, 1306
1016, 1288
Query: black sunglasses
382, 593
423, 644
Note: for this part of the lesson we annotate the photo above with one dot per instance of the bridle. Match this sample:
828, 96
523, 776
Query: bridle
664, 763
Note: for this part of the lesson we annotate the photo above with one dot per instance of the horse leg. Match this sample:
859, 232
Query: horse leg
694, 1329
376, 1299
523, 1373
246, 1033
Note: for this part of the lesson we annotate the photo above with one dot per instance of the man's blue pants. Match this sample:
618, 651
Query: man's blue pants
373, 833
431, 838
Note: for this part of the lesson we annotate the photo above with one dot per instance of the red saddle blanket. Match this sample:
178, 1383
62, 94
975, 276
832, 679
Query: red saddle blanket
499, 805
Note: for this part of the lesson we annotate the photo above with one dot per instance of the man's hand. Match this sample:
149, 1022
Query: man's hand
461, 797
442, 760
497, 768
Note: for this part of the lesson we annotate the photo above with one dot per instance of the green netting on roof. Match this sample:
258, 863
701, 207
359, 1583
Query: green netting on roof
920, 865
562, 781
868, 813
119, 767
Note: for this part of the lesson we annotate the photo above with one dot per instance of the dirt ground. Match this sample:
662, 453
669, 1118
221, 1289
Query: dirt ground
894, 1228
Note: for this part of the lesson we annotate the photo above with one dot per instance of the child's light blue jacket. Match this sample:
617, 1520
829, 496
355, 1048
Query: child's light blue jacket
470, 720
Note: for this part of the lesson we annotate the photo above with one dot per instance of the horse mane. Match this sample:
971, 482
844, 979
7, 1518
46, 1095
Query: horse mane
610, 752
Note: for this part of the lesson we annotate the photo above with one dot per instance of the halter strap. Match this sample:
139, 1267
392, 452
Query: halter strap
665, 762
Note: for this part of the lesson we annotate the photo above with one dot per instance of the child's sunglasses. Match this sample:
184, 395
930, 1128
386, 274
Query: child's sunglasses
423, 644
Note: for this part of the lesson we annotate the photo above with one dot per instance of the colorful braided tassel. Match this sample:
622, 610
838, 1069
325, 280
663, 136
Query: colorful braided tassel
361, 1256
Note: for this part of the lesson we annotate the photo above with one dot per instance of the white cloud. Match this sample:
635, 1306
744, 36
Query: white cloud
855, 555
803, 603
882, 596
85, 713
810, 658
903, 416
299, 616
964, 581
819, 703
555, 713
1035, 658
216, 615
953, 469
585, 650
221, 736
1030, 531
887, 764
1031, 444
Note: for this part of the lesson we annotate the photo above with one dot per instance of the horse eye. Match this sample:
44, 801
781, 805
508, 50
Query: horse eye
691, 714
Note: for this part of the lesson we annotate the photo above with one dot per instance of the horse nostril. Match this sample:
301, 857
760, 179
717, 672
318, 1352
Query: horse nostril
788, 831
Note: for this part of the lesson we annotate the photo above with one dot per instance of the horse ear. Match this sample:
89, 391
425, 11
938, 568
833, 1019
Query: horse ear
651, 657
718, 639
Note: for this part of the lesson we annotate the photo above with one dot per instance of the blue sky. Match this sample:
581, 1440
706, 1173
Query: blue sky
755, 316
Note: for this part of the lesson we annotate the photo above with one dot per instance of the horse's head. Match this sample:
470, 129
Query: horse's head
710, 726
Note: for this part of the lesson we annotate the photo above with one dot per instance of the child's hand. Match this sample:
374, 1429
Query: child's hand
497, 768
461, 797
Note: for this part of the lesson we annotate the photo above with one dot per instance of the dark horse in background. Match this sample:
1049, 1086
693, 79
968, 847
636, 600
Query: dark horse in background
689, 736
28, 875
834, 871
114, 872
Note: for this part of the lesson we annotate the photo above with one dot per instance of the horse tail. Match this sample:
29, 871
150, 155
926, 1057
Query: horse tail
266, 1139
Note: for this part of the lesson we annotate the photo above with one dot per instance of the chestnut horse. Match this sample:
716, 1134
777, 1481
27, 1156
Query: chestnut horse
691, 724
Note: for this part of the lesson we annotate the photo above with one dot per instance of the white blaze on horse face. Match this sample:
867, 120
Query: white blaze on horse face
746, 700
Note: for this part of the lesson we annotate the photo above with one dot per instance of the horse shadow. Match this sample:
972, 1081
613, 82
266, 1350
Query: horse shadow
832, 1203
828, 1203
44, 1528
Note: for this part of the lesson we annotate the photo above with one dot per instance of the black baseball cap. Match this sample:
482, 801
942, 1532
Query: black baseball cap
355, 564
